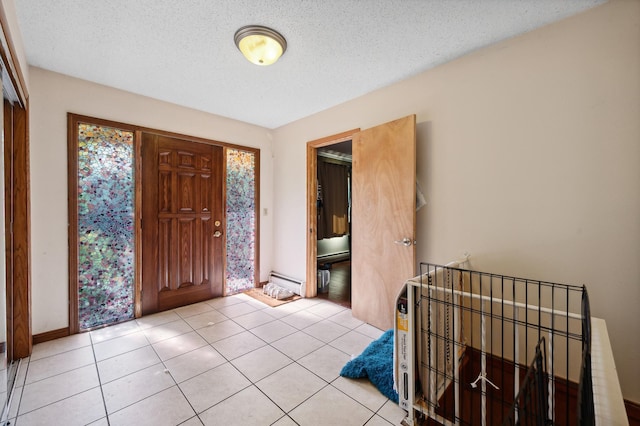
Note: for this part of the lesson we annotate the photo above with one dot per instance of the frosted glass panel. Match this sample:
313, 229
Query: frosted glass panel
241, 220
105, 225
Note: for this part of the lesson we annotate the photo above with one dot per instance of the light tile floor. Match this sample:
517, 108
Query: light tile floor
227, 361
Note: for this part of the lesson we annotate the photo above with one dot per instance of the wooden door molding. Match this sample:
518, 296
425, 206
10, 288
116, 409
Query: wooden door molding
73, 120
17, 212
17, 154
312, 206
384, 213
22, 343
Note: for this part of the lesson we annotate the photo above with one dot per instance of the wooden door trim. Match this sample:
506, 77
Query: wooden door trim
22, 344
17, 212
8, 217
256, 172
312, 207
137, 188
19, 198
72, 209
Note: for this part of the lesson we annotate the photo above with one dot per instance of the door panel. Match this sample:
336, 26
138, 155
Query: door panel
383, 211
182, 198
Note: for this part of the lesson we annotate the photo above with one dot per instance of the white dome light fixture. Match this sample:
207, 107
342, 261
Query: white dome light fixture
260, 45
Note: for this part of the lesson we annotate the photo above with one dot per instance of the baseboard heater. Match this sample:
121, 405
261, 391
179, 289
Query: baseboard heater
294, 284
334, 257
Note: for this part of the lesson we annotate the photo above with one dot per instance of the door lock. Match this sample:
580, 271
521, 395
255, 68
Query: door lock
217, 234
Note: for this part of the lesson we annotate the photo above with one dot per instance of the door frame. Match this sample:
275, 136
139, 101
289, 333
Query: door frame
72, 182
312, 206
17, 197
72, 120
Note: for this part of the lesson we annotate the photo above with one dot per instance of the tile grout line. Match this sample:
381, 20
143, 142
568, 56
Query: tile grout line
21, 391
95, 361
249, 328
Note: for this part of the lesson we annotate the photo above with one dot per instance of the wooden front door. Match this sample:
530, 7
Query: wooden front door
383, 212
182, 222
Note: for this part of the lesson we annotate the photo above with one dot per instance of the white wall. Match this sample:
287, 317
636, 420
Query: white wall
52, 96
529, 155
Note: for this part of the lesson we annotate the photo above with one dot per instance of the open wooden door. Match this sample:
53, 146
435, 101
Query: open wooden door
383, 211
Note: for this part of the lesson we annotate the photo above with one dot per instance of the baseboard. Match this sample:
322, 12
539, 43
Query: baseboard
50, 335
633, 412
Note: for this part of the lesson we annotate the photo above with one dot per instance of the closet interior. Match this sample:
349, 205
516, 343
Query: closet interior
334, 222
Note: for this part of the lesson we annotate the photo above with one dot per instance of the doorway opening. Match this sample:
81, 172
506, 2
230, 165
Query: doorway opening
334, 222
383, 211
313, 147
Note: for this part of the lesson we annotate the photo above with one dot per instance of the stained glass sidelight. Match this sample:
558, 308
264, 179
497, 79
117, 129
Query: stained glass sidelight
241, 220
105, 225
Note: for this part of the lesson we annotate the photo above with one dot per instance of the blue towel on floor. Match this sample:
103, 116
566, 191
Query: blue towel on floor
376, 363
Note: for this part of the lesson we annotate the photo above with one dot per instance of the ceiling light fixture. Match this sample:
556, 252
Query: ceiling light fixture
260, 45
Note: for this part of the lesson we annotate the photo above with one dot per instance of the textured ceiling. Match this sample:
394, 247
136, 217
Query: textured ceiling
182, 51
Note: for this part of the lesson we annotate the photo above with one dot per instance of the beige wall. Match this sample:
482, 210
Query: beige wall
52, 96
529, 155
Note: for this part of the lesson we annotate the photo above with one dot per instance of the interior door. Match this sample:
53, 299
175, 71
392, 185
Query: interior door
383, 211
182, 222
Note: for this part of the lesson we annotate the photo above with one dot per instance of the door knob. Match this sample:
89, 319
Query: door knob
405, 242
217, 234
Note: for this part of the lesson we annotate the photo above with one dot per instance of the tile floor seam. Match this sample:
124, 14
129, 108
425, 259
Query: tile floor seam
54, 375
21, 389
104, 402
226, 398
301, 402
205, 371
326, 384
56, 401
165, 371
140, 400
374, 412
329, 331
132, 372
188, 402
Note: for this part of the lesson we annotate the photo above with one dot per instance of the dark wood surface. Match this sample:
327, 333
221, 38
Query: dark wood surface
21, 268
339, 284
182, 201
